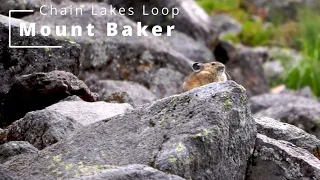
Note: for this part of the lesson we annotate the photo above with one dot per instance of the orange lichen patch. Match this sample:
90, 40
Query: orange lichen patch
316, 152
125, 72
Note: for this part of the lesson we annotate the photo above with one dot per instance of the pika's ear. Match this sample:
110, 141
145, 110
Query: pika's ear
196, 67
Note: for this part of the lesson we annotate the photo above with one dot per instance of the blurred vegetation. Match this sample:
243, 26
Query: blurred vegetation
301, 34
307, 72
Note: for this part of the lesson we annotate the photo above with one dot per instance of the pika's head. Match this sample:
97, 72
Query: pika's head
212, 67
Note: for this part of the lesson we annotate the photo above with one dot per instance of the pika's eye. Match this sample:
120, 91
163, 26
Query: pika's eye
197, 67
213, 63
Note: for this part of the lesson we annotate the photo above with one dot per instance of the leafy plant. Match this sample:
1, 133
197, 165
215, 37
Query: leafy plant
307, 72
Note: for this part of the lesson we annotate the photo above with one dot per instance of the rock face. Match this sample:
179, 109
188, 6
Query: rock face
286, 132
15, 148
3, 135
46, 127
227, 24
139, 94
42, 128
120, 97
19, 5
131, 172
191, 20
206, 133
39, 90
133, 58
17, 62
90, 112
296, 110
246, 68
192, 49
277, 160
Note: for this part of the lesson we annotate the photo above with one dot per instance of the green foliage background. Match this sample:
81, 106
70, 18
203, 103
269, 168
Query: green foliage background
303, 34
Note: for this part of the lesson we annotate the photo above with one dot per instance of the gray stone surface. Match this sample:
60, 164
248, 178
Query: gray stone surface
191, 20
138, 93
302, 112
192, 49
206, 133
14, 148
119, 97
131, 172
227, 24
167, 82
133, 58
279, 160
87, 113
46, 127
286, 132
7, 5
39, 90
42, 128
17, 62
246, 68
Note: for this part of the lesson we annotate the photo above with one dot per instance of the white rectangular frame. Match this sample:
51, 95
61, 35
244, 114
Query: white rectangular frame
10, 46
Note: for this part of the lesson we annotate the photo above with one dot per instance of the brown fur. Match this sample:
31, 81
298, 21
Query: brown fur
208, 74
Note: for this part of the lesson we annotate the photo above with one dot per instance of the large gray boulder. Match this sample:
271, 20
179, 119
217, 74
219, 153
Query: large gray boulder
16, 62
7, 5
296, 110
278, 160
286, 132
192, 49
206, 133
134, 58
138, 93
131, 172
46, 127
227, 24
14, 148
265, 101
191, 20
38, 90
42, 128
90, 112
246, 68
5, 175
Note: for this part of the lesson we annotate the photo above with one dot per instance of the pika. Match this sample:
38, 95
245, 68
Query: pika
204, 74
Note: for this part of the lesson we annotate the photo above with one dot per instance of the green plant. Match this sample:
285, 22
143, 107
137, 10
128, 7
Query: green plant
222, 5
307, 72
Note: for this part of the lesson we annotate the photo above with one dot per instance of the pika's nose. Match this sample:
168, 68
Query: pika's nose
221, 67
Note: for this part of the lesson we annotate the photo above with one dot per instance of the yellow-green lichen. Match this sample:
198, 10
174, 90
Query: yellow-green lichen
161, 122
47, 50
227, 103
57, 158
69, 166
243, 99
242, 88
205, 132
179, 147
172, 159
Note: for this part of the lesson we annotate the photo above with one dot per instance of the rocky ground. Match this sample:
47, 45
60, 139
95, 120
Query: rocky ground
113, 108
